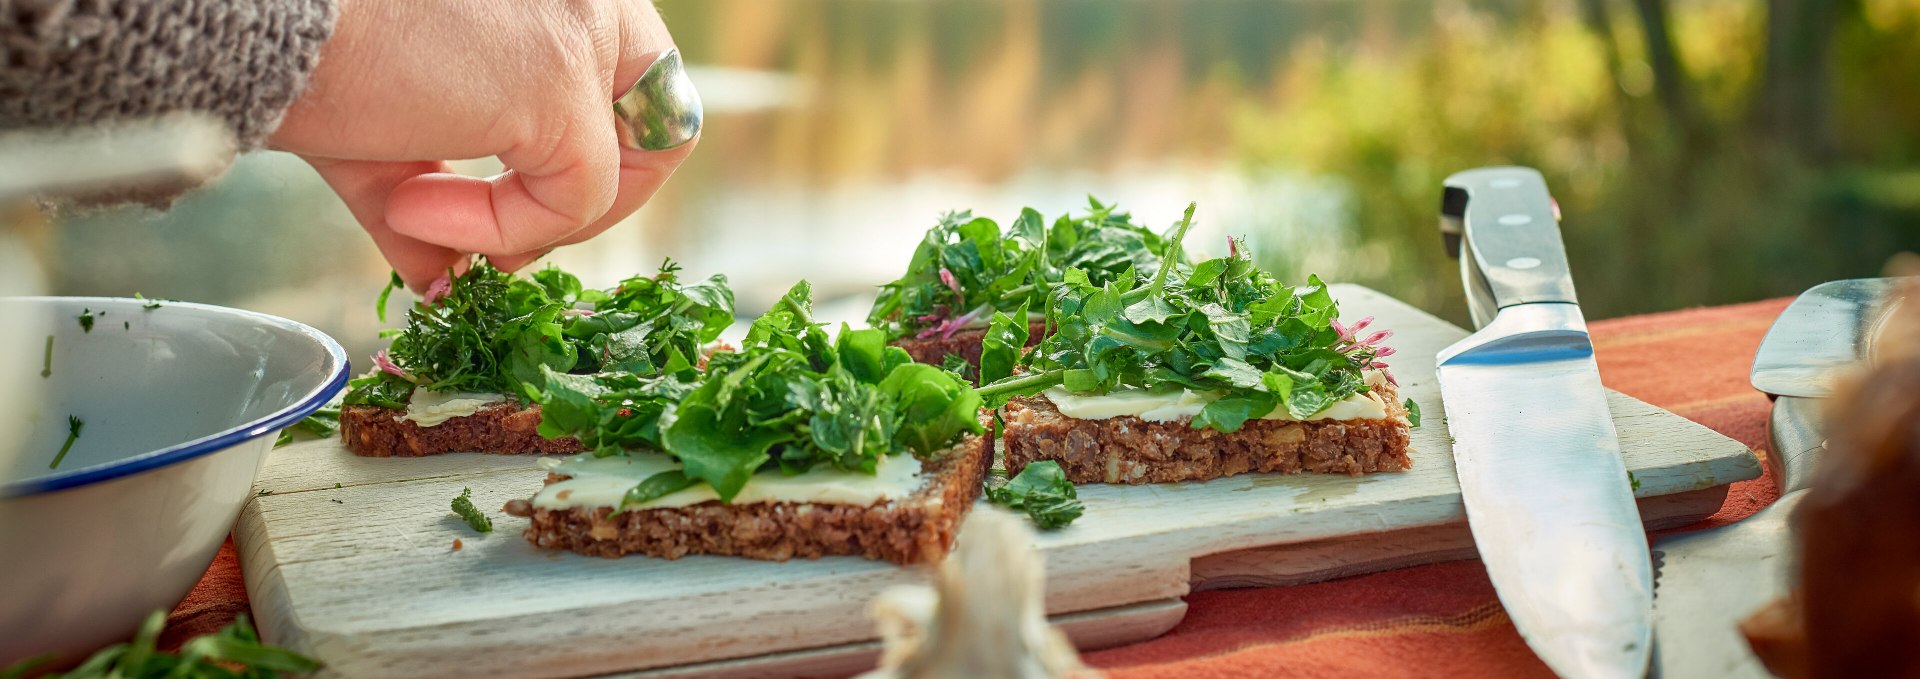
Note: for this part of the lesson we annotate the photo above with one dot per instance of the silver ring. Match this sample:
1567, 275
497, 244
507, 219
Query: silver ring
662, 111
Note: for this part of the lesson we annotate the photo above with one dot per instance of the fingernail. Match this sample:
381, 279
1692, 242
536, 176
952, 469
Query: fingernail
662, 111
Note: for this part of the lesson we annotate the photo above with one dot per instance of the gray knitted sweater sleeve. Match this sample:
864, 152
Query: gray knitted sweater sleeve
81, 62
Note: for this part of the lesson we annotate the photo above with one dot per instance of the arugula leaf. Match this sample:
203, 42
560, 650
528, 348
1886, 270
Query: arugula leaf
476, 520
1043, 491
1221, 328
1006, 336
965, 269
1413, 412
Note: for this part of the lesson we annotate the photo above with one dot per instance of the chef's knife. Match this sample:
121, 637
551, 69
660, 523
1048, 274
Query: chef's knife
1547, 496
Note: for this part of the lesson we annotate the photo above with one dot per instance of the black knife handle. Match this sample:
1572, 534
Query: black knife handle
1504, 219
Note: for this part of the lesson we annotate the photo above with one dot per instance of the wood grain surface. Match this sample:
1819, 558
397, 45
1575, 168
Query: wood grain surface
351, 559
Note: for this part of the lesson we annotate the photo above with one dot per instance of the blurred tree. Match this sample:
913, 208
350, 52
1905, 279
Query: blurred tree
1797, 87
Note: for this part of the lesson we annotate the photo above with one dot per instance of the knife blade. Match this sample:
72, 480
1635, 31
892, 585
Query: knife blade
1546, 493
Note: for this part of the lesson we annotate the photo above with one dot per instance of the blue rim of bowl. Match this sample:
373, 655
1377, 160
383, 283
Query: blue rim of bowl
222, 440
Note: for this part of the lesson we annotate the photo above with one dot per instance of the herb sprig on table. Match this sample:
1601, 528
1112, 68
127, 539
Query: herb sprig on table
234, 652
966, 267
1221, 326
490, 331
1042, 490
788, 398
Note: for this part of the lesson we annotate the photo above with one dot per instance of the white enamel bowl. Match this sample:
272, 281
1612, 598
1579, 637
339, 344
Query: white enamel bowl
181, 404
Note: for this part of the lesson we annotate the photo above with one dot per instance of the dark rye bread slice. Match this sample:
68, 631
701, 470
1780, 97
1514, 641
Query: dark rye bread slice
915, 530
1131, 450
965, 344
504, 428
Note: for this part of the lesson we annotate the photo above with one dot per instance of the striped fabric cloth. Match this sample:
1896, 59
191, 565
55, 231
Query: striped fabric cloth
1437, 620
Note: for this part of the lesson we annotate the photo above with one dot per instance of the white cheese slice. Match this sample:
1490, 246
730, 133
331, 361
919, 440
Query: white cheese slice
603, 482
1186, 403
431, 408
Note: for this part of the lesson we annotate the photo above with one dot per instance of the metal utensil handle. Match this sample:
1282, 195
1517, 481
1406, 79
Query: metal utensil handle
1505, 219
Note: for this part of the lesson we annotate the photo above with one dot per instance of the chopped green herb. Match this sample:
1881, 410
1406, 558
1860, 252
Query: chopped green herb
789, 398
46, 365
336, 484
337, 502
73, 434
1221, 328
150, 304
966, 268
234, 652
958, 365
86, 320
1413, 412
126, 325
463, 506
263, 493
1042, 490
495, 332
1633, 480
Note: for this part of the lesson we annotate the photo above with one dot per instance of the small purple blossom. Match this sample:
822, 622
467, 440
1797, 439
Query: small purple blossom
1367, 350
438, 289
386, 365
952, 283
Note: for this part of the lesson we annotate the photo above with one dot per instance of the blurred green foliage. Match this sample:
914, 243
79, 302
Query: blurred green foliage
1710, 201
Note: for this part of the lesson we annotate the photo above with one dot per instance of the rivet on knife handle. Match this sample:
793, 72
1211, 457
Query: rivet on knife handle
1506, 227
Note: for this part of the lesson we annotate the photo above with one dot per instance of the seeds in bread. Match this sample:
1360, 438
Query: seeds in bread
1135, 451
504, 428
917, 529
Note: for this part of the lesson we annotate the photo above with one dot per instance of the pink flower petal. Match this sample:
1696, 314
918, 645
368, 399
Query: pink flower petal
1377, 337
438, 289
386, 365
1383, 352
1362, 325
954, 283
1341, 329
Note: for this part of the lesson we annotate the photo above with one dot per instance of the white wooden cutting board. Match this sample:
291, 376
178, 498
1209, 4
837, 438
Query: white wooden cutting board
351, 559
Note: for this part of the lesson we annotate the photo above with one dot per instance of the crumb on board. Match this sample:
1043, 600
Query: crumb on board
337, 501
456, 544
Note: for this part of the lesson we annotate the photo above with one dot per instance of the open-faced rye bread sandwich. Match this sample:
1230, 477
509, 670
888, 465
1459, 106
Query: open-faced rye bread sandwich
966, 268
461, 376
1194, 373
793, 445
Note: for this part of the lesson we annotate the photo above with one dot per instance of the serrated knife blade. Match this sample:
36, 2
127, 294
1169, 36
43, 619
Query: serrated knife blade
1546, 493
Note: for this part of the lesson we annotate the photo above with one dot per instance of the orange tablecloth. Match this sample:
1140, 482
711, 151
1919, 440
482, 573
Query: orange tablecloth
1437, 620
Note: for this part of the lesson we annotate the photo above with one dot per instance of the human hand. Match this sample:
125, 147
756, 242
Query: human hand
405, 85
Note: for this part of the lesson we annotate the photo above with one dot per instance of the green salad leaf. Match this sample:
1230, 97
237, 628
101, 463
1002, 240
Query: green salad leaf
789, 398
967, 268
1221, 327
495, 332
1042, 490
234, 652
323, 423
